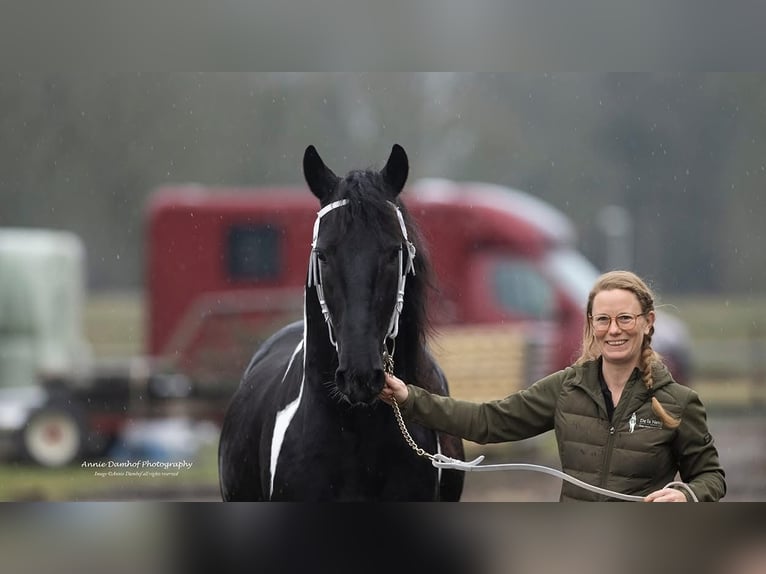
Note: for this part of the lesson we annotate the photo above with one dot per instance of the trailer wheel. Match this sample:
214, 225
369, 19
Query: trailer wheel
53, 436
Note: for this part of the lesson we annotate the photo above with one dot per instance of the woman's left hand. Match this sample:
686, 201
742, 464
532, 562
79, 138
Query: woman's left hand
666, 495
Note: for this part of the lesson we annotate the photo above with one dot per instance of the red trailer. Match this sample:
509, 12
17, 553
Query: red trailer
226, 268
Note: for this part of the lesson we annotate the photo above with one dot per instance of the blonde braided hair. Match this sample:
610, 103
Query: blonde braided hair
627, 281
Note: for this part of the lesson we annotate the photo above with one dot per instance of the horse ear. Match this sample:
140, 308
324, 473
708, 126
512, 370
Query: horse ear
397, 168
319, 177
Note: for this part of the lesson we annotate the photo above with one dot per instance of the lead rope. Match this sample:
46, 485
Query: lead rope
446, 462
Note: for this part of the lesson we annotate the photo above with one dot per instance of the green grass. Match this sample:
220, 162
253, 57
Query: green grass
20, 482
728, 334
720, 317
115, 324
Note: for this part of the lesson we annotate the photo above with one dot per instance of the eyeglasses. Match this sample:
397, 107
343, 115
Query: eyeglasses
624, 321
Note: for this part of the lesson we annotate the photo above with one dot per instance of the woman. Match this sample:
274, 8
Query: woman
621, 421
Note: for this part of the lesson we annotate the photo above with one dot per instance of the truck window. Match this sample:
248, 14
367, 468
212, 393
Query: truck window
521, 289
253, 252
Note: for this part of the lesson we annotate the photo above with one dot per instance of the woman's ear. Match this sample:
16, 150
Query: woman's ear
650, 316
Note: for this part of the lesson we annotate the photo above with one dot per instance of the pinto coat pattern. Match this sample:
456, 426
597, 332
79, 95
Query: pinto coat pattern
305, 423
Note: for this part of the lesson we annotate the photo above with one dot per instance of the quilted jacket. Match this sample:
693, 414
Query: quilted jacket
632, 454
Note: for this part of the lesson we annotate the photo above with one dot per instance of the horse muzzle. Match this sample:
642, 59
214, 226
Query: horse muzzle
360, 387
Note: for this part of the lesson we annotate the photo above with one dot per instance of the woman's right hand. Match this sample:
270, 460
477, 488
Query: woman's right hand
394, 389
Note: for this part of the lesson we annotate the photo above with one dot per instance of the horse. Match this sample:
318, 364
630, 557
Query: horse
306, 423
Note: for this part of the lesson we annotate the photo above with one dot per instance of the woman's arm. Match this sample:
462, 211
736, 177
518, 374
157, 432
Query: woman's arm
521, 415
697, 455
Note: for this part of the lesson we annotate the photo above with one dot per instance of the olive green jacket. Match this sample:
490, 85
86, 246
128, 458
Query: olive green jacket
632, 454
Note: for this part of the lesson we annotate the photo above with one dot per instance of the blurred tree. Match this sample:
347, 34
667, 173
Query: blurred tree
682, 153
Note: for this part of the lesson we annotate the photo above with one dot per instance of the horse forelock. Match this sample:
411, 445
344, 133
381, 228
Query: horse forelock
369, 205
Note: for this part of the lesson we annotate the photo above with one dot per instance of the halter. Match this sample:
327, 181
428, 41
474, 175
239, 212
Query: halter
315, 274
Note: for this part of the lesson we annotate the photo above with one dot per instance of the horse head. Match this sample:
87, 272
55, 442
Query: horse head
360, 258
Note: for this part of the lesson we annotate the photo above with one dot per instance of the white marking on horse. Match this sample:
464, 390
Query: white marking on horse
285, 416
297, 350
282, 422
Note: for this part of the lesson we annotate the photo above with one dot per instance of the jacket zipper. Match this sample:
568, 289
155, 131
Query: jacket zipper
607, 455
617, 416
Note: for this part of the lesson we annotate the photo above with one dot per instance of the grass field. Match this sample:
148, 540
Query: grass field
115, 324
728, 334
721, 318
22, 482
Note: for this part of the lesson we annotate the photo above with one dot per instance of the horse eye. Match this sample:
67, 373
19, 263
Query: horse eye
321, 256
394, 255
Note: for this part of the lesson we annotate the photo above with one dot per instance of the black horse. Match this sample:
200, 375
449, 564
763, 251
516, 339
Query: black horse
305, 422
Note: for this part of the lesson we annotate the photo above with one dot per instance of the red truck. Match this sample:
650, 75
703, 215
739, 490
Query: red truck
226, 268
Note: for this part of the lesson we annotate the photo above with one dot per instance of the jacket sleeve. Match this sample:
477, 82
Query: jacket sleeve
697, 455
521, 415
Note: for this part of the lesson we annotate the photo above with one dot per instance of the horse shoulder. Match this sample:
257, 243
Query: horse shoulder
251, 417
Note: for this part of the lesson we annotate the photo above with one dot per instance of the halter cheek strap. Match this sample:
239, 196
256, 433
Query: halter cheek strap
315, 271
393, 325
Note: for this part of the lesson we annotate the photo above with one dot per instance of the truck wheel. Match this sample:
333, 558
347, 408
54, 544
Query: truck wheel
53, 436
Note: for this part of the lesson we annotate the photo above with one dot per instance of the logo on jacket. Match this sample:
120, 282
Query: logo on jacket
642, 423
649, 423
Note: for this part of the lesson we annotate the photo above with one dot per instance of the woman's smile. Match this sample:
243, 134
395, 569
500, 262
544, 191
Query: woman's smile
620, 344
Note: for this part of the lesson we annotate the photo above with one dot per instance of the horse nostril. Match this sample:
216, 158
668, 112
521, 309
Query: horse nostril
360, 387
340, 379
378, 380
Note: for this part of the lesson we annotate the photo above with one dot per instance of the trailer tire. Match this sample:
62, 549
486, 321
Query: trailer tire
53, 436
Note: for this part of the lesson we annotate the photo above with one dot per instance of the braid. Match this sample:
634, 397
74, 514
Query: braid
646, 364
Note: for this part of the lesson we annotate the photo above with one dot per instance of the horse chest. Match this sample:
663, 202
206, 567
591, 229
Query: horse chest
338, 458
364, 437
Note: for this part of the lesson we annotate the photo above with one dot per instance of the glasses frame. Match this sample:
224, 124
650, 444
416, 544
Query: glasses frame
614, 319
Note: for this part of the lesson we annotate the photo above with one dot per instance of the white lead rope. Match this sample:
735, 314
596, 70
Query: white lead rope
445, 462
441, 461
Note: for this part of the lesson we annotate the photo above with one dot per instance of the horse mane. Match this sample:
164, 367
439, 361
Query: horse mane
369, 202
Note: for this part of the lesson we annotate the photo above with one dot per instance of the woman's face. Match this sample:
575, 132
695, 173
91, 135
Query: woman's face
620, 342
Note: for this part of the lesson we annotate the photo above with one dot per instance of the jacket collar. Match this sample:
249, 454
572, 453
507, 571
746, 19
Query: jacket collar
637, 393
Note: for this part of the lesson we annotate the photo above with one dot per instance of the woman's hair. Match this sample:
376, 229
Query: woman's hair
627, 281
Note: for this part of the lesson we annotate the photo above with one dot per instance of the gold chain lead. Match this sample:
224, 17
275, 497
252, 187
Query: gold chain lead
406, 434
388, 367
